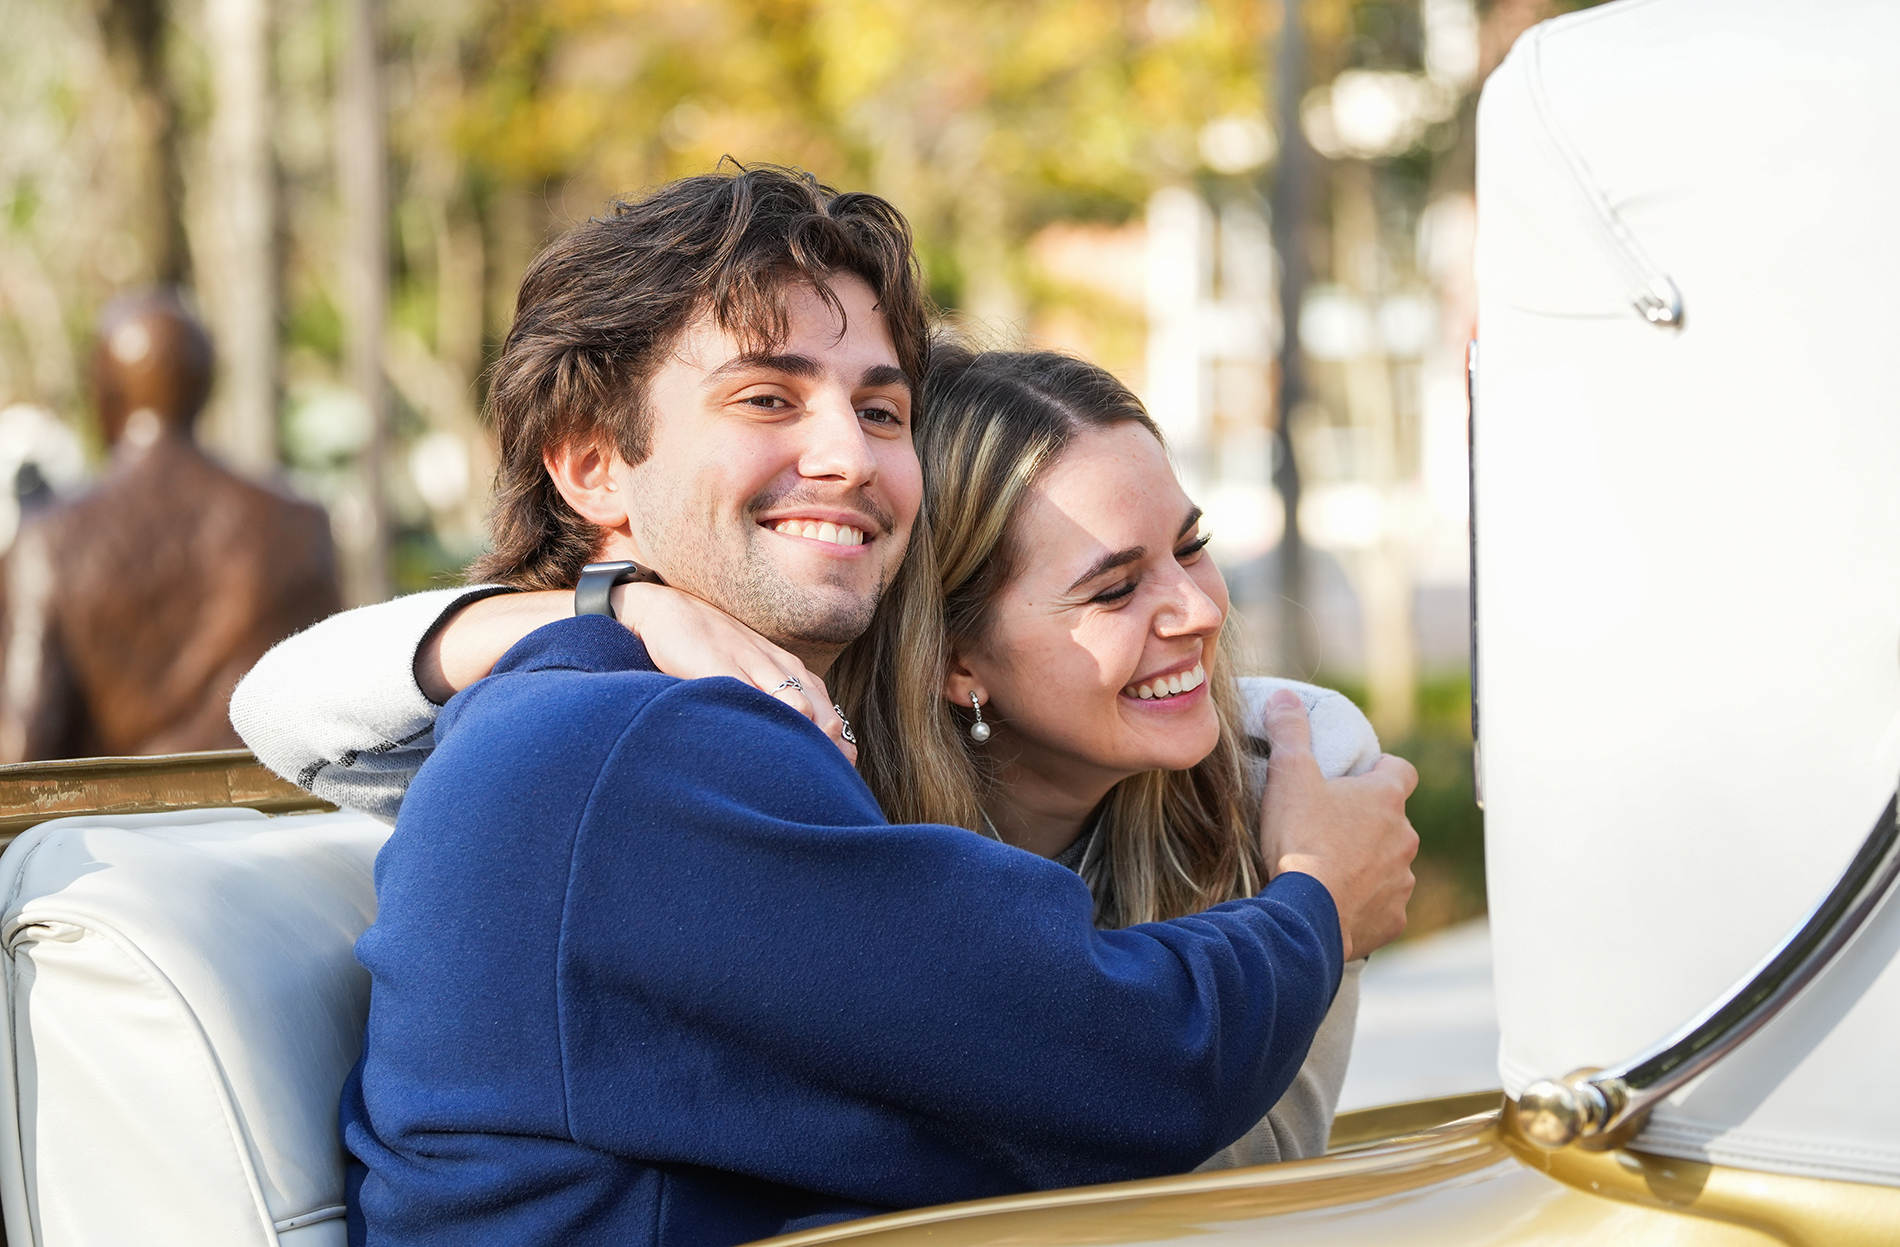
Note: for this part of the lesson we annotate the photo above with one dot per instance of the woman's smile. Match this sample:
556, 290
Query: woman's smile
1168, 687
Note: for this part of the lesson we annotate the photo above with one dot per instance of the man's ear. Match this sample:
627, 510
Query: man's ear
584, 475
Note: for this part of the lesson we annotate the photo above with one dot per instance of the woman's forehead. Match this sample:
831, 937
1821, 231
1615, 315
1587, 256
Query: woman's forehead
1111, 489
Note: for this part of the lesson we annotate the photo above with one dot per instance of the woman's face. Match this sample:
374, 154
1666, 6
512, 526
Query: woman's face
1094, 667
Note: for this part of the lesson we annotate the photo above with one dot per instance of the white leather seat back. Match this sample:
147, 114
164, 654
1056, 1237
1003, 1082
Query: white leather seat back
1688, 606
183, 1006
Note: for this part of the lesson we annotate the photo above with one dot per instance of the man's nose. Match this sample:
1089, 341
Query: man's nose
836, 446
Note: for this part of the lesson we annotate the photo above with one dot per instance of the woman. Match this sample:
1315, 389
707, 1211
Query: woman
1049, 670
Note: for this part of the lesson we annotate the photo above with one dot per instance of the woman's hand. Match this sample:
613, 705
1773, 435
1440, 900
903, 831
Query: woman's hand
692, 639
684, 636
1351, 834
468, 644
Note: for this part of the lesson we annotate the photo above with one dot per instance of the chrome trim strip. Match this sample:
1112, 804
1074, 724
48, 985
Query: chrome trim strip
1586, 1104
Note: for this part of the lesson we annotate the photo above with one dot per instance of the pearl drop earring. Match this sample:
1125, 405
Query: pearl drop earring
979, 731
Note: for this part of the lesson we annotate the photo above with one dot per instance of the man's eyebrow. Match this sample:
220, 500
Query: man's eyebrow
802, 366
1133, 554
885, 374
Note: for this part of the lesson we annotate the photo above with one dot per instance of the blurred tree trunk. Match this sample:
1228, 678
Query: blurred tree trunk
244, 178
1381, 573
363, 181
1289, 200
136, 33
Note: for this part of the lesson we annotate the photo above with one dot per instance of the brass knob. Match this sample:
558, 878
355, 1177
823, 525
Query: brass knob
1554, 1113
1549, 1115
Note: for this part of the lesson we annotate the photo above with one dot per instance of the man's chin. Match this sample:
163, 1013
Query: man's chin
802, 616
797, 605
826, 616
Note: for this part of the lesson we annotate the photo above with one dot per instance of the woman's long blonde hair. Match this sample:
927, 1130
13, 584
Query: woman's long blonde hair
990, 424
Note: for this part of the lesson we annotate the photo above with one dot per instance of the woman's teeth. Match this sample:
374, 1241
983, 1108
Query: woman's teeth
1169, 685
821, 530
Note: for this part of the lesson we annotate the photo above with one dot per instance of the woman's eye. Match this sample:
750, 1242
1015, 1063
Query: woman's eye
1117, 593
1193, 548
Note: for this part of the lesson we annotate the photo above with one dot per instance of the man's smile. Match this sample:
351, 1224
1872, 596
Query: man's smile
821, 530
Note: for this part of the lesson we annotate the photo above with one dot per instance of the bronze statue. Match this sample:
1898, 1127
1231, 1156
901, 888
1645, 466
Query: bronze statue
132, 610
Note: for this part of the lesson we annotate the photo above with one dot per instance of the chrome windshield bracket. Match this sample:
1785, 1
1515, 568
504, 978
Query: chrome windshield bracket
1591, 1104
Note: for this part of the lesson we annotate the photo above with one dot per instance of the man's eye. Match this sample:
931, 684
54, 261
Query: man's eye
770, 402
1193, 548
879, 415
1117, 593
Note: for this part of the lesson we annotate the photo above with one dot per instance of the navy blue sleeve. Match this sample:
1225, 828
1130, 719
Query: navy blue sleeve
758, 974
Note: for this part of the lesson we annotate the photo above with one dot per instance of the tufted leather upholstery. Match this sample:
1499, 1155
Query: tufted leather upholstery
183, 1005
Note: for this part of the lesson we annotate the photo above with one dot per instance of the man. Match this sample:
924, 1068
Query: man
131, 611
649, 964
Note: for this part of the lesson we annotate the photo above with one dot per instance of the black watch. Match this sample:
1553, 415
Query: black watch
593, 593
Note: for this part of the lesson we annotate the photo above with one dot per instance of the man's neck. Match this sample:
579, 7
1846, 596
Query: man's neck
817, 659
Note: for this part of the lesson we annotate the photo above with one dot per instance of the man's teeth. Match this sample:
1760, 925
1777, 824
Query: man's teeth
1169, 685
821, 530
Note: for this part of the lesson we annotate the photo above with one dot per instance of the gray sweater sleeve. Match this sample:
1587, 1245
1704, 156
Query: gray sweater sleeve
1298, 1126
336, 708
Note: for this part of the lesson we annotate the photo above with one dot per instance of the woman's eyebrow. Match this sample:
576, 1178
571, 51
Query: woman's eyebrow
1133, 554
1108, 563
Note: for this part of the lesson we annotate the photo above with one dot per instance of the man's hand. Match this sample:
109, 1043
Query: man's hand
1351, 834
692, 639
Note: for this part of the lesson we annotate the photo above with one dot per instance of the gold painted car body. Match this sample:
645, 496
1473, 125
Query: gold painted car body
1430, 1173
1466, 1178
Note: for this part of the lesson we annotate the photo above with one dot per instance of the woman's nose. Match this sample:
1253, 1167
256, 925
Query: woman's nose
1188, 609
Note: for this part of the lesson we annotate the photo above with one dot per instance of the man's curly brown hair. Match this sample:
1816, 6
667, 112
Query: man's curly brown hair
600, 308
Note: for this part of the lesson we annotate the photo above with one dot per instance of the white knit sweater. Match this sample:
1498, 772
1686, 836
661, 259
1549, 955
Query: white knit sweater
336, 709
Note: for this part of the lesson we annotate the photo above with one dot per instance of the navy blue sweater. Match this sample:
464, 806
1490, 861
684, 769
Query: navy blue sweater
651, 968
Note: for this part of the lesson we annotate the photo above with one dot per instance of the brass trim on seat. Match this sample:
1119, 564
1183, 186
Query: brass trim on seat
32, 792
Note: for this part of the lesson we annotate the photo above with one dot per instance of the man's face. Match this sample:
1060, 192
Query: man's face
782, 484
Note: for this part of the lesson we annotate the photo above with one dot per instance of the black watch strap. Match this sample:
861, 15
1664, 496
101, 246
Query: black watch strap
593, 593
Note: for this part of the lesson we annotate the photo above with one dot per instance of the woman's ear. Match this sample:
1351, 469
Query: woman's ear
584, 475
960, 681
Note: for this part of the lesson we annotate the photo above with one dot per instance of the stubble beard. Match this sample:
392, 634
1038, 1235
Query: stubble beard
828, 615
752, 587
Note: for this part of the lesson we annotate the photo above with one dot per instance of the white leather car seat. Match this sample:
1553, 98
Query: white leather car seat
183, 1005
